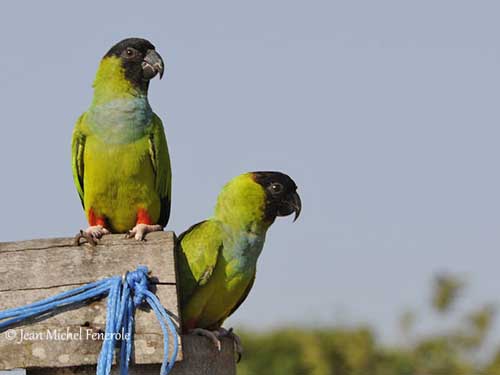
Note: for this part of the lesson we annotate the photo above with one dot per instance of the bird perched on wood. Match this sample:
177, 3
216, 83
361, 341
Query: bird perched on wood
217, 258
120, 160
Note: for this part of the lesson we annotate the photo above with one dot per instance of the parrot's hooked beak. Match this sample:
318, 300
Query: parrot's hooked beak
152, 65
291, 204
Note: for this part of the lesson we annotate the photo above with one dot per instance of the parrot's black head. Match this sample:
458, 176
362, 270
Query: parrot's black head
139, 60
281, 193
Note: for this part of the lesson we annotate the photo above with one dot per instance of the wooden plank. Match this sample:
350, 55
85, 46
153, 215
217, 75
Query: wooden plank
24, 265
93, 314
75, 337
33, 270
200, 355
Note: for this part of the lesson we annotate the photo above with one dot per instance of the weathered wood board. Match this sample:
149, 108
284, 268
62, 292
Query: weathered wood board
36, 269
200, 358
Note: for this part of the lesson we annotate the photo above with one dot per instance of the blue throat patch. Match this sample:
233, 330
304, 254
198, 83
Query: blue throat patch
120, 120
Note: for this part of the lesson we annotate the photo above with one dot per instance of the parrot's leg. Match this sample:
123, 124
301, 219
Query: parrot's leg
216, 335
238, 347
140, 230
92, 234
212, 335
143, 226
95, 231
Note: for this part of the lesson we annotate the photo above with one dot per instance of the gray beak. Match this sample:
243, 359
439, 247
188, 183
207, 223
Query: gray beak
152, 65
296, 203
290, 205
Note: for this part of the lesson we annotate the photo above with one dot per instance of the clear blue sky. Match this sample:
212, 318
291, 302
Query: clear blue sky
385, 113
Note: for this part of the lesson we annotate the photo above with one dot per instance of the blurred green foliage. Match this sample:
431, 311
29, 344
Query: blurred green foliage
356, 351
446, 290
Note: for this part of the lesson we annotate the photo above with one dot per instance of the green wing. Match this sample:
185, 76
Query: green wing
77, 149
238, 304
243, 297
197, 251
160, 158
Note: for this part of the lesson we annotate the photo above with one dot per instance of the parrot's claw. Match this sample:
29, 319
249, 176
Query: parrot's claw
213, 336
238, 347
140, 231
92, 235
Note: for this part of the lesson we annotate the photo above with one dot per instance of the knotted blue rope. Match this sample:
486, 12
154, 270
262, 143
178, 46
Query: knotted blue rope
125, 294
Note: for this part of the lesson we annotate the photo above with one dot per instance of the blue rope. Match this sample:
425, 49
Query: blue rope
124, 296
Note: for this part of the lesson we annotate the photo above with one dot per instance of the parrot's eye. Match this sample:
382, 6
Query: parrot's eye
276, 188
130, 52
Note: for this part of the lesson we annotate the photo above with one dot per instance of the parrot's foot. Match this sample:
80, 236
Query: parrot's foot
216, 335
92, 235
238, 347
140, 230
212, 335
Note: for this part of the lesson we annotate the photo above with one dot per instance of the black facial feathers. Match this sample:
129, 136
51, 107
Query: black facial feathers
141, 45
281, 193
132, 52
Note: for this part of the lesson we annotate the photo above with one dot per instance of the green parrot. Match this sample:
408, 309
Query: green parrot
217, 258
120, 160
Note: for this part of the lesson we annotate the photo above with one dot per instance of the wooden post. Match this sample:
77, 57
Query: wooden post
69, 342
